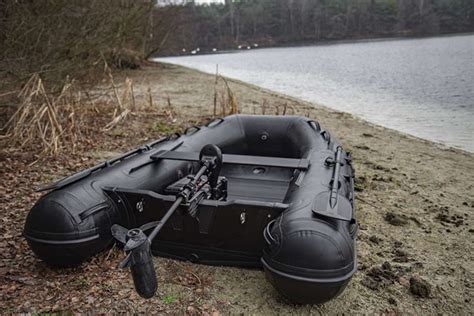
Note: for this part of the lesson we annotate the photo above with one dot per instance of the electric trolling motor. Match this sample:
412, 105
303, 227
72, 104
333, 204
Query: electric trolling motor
137, 243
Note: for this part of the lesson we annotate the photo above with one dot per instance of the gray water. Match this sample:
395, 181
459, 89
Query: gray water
423, 87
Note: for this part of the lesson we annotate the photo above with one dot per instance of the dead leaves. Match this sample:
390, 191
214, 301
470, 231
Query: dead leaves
28, 285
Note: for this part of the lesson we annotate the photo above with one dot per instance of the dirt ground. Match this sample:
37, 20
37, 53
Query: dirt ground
415, 202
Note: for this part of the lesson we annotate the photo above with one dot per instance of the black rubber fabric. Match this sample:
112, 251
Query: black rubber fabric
290, 204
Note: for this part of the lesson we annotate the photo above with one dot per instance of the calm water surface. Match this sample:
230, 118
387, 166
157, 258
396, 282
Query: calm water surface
424, 87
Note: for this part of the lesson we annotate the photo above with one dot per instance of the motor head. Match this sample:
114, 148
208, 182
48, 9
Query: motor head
211, 155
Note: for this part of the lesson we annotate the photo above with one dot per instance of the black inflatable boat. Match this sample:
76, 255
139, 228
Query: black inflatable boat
258, 191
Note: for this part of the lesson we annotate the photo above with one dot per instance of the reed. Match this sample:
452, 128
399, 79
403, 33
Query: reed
51, 120
227, 98
54, 121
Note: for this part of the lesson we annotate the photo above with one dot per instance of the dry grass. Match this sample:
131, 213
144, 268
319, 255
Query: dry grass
52, 120
55, 120
123, 104
226, 97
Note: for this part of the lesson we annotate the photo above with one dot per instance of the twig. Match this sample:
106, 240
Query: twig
231, 97
195, 275
110, 252
150, 98
215, 90
117, 120
8, 93
366, 202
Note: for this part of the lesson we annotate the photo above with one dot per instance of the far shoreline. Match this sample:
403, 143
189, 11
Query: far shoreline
325, 42
326, 107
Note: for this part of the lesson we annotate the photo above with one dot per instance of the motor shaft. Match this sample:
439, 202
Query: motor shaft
187, 191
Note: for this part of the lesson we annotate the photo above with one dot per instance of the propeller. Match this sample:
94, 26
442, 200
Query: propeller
139, 258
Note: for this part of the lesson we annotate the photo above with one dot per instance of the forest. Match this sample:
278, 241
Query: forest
56, 38
281, 22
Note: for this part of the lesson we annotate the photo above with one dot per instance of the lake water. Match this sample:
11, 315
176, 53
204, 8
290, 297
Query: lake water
424, 87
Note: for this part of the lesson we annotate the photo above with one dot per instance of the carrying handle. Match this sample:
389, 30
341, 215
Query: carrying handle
191, 130
325, 135
314, 125
173, 136
354, 228
267, 235
215, 122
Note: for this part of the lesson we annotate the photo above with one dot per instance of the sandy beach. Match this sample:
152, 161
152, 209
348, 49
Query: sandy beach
415, 202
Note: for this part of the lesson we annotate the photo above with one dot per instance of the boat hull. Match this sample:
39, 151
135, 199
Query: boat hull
292, 215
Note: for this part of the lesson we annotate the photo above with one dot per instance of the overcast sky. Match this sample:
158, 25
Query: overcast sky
208, 1
165, 2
